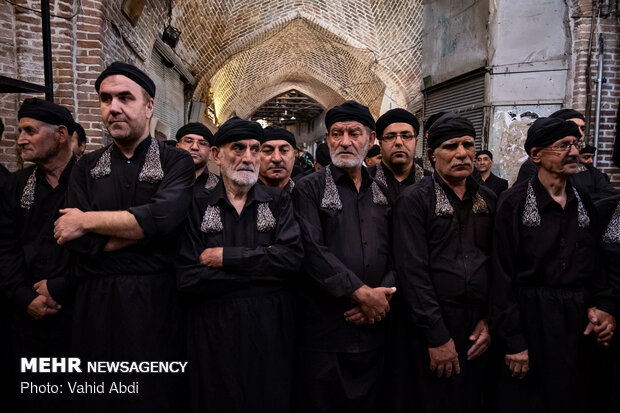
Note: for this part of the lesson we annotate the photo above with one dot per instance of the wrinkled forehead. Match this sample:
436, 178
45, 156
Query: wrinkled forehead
458, 140
277, 143
349, 125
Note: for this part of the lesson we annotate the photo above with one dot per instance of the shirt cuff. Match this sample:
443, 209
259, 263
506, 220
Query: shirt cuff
23, 297
343, 284
515, 344
438, 334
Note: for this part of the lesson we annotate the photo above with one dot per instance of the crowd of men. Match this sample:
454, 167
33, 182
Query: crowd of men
367, 284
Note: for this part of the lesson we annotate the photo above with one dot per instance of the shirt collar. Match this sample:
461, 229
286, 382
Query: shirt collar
471, 186
543, 198
339, 174
258, 193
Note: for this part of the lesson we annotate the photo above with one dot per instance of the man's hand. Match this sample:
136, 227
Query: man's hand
603, 324
373, 302
213, 257
69, 226
42, 307
481, 338
41, 288
444, 360
518, 364
356, 316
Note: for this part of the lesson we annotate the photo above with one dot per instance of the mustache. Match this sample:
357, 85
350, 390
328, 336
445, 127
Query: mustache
465, 163
247, 168
570, 159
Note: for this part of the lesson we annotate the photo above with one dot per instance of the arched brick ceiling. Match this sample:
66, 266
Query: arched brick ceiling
356, 48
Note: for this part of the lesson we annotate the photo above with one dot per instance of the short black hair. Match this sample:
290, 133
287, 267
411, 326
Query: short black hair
1, 127
80, 133
484, 152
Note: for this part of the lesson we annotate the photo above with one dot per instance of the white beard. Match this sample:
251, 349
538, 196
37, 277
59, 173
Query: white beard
351, 163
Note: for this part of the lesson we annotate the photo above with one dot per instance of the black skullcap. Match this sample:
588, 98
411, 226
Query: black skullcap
374, 151
484, 152
349, 111
130, 72
273, 133
322, 155
236, 129
47, 112
545, 131
449, 126
396, 116
81, 133
588, 149
432, 119
195, 128
1, 127
567, 114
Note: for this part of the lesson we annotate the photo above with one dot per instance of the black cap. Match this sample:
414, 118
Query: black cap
273, 133
350, 111
396, 116
588, 149
484, 152
195, 128
449, 126
373, 151
237, 129
431, 119
545, 131
130, 72
47, 112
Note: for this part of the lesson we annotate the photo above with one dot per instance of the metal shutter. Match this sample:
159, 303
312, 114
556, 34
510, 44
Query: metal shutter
169, 98
464, 95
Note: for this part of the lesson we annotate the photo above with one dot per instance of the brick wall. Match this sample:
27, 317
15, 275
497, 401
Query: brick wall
582, 23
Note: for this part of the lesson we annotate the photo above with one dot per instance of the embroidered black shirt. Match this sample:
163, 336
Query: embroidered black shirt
344, 249
557, 254
442, 259
160, 208
262, 243
28, 250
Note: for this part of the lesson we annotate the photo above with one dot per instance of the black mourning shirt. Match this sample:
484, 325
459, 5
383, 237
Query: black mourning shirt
160, 208
609, 234
255, 248
394, 186
344, 249
442, 259
28, 250
493, 182
557, 254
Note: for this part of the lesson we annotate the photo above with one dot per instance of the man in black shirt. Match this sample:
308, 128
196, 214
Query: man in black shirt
484, 175
277, 158
587, 177
547, 284
347, 278
609, 233
442, 250
34, 268
125, 206
397, 131
196, 139
240, 248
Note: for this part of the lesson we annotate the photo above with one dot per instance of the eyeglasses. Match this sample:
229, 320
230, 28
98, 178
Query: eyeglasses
406, 136
189, 141
565, 147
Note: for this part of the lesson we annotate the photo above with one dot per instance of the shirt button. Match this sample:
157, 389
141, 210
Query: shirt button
562, 242
128, 161
127, 186
563, 265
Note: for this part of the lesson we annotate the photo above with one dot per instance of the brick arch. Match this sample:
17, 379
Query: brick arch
386, 40
299, 47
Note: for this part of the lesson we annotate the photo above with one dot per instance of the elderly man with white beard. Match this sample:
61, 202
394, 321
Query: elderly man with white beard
347, 279
237, 256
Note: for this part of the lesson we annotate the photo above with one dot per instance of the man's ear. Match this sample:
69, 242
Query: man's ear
215, 155
535, 155
62, 134
372, 138
150, 103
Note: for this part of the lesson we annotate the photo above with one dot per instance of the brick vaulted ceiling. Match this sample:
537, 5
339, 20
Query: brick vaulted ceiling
330, 50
